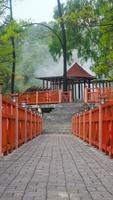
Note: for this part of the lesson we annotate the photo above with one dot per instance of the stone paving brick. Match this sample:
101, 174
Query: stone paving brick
56, 167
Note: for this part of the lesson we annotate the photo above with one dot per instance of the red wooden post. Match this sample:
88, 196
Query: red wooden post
31, 132
70, 96
37, 98
1, 153
35, 126
47, 97
86, 95
15, 100
79, 127
84, 126
100, 127
90, 126
16, 121
25, 125
76, 127
60, 96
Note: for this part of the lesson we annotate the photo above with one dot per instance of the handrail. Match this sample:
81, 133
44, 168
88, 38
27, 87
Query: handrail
17, 125
45, 97
96, 127
98, 95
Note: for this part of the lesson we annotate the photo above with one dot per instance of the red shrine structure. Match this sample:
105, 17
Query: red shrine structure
77, 80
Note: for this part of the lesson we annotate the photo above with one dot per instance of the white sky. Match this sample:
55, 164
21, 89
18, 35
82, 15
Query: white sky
36, 10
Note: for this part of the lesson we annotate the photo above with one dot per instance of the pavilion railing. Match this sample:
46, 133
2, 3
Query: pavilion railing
96, 127
17, 125
45, 97
98, 95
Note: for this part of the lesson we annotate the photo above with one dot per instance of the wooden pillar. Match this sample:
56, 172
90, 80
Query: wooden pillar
82, 91
73, 91
60, 84
106, 83
43, 84
51, 85
78, 89
69, 85
55, 85
89, 82
103, 84
84, 83
47, 84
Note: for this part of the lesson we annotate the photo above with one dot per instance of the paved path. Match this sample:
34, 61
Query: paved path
56, 167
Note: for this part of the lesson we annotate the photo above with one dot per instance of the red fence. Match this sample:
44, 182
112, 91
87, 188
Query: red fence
17, 125
96, 127
46, 97
97, 95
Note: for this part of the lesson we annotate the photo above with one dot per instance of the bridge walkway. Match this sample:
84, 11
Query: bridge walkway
56, 167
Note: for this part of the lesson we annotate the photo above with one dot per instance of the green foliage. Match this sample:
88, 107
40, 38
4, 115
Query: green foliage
54, 44
89, 30
104, 63
15, 30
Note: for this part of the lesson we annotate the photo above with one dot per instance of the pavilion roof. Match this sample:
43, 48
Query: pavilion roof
77, 71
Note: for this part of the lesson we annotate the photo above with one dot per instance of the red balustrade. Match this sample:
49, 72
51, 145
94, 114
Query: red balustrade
96, 127
17, 125
45, 97
98, 95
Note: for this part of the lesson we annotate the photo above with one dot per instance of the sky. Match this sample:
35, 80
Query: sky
36, 10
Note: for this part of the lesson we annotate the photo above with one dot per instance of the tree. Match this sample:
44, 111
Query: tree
15, 30
86, 25
11, 35
104, 61
64, 47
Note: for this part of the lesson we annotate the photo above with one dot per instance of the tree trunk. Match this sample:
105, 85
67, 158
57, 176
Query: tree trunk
64, 47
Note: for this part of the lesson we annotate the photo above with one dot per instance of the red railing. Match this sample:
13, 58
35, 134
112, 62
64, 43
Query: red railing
96, 127
17, 125
98, 95
45, 97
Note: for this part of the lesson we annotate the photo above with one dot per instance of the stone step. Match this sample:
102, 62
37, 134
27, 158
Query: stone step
58, 121
57, 128
56, 131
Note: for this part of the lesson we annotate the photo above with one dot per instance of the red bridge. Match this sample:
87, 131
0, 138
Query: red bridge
57, 165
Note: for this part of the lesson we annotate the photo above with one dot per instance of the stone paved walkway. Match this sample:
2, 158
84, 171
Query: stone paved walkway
56, 167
